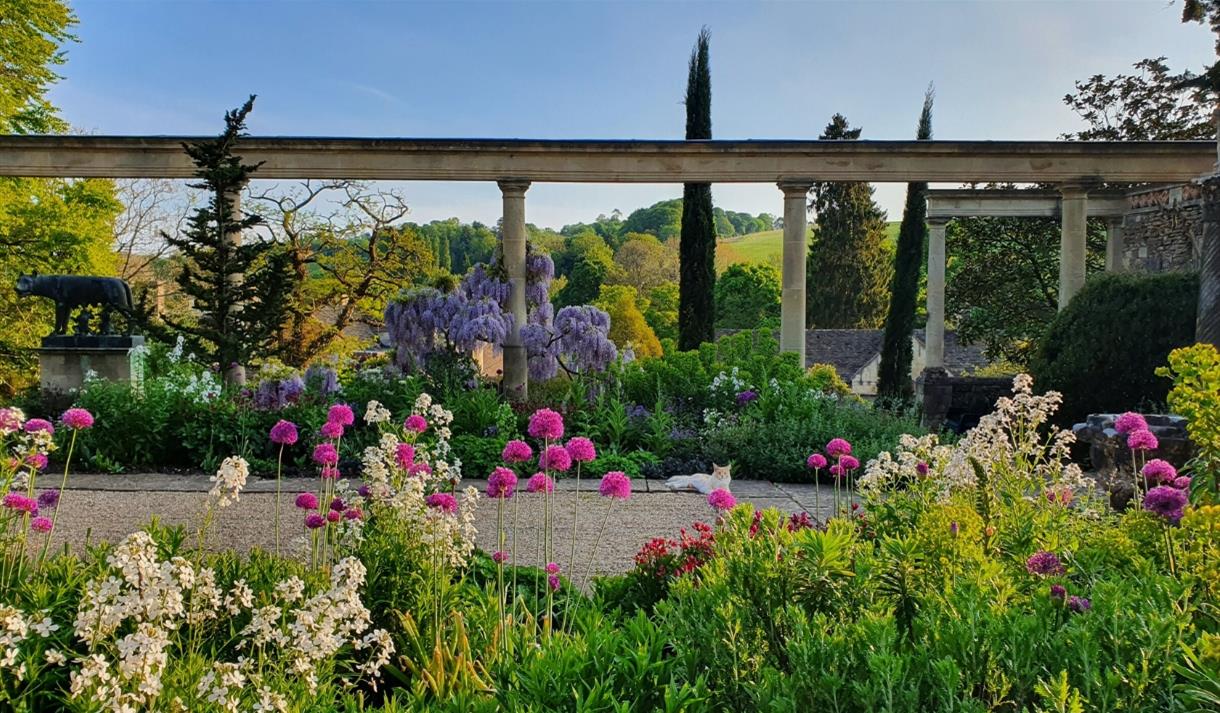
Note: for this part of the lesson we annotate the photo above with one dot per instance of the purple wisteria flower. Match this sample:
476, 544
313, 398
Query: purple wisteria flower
1044, 564
324, 379
1166, 501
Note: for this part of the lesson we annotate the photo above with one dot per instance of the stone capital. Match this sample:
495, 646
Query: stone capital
1076, 189
513, 187
938, 221
794, 188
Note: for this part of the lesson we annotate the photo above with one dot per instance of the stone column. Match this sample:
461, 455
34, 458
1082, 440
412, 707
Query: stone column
935, 332
792, 305
1073, 206
1114, 244
516, 371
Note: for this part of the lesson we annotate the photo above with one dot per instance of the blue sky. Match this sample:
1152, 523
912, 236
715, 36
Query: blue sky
602, 70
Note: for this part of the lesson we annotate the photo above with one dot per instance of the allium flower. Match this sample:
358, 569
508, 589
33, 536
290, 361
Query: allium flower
849, 462
1159, 471
333, 516
353, 514
404, 455
817, 461
41, 524
581, 449
415, 423
330, 472
516, 451
419, 469
34, 425
1079, 605
921, 468
341, 414
325, 454
499, 557
1166, 501
552, 581
545, 423
332, 430
1058, 592
746, 397
284, 433
444, 502
721, 499
48, 499
615, 484
1130, 422
37, 460
540, 483
953, 528
338, 505
307, 501
555, 458
501, 483
20, 503
837, 471
1182, 482
313, 521
1142, 441
77, 419
364, 491
1044, 564
838, 447
552, 568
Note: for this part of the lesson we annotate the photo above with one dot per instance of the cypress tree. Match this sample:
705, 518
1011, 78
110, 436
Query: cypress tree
894, 382
239, 289
697, 244
848, 270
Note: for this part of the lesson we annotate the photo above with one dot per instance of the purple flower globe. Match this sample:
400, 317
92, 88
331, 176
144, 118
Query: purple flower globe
516, 451
41, 525
501, 483
284, 433
849, 462
721, 499
1079, 605
1159, 471
314, 521
332, 430
540, 483
1130, 422
325, 454
404, 455
338, 505
1044, 564
341, 414
20, 503
1166, 501
444, 502
34, 425
552, 581
307, 501
499, 557
77, 419
38, 460
415, 423
1182, 482
1058, 592
353, 514
48, 499
333, 516
555, 458
419, 469
545, 423
552, 568
581, 449
838, 448
616, 485
817, 461
1143, 440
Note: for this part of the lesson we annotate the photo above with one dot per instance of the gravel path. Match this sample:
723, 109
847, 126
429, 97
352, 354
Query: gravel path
106, 507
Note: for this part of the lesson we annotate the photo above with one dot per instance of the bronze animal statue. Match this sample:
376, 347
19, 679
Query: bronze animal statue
75, 291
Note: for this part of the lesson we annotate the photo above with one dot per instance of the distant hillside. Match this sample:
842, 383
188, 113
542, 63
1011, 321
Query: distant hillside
766, 247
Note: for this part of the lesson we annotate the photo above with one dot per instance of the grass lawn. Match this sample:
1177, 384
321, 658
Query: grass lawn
766, 247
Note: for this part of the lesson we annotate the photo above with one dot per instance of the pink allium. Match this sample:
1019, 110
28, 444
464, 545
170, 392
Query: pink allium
338, 505
555, 458
313, 521
1181, 482
1058, 592
615, 484
849, 462
20, 503
404, 455
1044, 564
1079, 605
552, 568
41, 524
921, 468
837, 471
341, 414
444, 502
364, 491
38, 460
545, 423
48, 499
953, 528
77, 419
333, 516
540, 483
353, 514
1166, 501
34, 425
1159, 471
516, 451
581, 449
721, 499
838, 447
307, 501
552, 581
499, 557
817, 461
330, 472
419, 469
501, 483
325, 454
415, 423
1130, 422
284, 433
1142, 441
332, 430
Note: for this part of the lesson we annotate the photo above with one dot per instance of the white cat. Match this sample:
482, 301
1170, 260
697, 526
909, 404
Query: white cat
702, 482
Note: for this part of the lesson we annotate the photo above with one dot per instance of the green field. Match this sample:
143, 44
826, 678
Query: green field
767, 247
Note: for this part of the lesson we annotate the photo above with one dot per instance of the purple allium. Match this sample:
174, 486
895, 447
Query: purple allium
581, 449
284, 433
330, 472
341, 414
307, 501
1058, 592
419, 469
77, 419
332, 430
38, 460
552, 568
552, 581
1142, 441
364, 491
1130, 422
746, 397
555, 458
921, 468
313, 521
817, 461
849, 462
1079, 605
404, 455
48, 499
953, 528
721, 499
516, 451
540, 483
41, 524
333, 516
20, 503
444, 502
415, 423
499, 557
501, 483
837, 471
338, 505
1159, 471
1182, 482
325, 454
1044, 564
1166, 501
838, 447
615, 484
353, 514
545, 423
34, 425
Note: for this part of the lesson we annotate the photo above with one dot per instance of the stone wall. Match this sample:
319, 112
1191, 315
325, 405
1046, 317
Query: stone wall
1162, 229
958, 402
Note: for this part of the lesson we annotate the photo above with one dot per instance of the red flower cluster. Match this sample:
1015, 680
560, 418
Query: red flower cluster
664, 558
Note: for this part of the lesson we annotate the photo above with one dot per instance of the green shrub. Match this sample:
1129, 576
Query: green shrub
1102, 351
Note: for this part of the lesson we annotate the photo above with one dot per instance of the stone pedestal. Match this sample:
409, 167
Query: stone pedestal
64, 361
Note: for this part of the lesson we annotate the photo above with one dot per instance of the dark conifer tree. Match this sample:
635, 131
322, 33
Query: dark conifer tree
894, 381
697, 246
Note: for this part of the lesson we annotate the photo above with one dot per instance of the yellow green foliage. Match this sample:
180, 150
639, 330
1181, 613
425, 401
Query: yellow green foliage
627, 325
1195, 371
826, 379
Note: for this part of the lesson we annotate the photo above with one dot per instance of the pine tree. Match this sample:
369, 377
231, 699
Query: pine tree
239, 289
848, 271
697, 245
444, 255
894, 381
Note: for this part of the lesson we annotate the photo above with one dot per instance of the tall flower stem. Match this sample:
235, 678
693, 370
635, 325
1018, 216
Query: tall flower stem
500, 572
279, 469
513, 550
1169, 551
46, 541
593, 555
817, 492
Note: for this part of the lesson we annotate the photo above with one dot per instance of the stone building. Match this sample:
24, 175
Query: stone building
1162, 229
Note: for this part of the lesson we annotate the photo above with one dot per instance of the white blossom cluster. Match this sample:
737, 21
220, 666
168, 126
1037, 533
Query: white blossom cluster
376, 413
889, 469
229, 480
